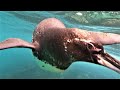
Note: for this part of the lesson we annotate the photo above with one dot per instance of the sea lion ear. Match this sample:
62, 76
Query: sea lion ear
89, 45
15, 42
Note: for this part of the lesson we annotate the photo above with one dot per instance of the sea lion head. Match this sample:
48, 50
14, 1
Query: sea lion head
81, 49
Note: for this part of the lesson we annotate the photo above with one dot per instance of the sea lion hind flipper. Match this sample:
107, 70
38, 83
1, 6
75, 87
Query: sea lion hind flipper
108, 61
15, 42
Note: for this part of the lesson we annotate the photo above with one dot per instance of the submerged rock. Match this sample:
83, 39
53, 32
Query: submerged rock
100, 18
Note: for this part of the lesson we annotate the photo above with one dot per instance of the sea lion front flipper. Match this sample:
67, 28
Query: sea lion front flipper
98, 37
15, 42
105, 38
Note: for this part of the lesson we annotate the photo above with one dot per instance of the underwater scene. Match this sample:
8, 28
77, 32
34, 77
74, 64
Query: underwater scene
20, 63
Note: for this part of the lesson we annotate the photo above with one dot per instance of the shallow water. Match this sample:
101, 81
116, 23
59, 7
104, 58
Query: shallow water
20, 63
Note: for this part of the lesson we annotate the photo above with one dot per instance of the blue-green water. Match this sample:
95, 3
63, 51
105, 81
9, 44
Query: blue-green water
20, 63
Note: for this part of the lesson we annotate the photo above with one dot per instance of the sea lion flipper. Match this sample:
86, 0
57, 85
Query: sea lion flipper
106, 38
108, 61
15, 42
98, 37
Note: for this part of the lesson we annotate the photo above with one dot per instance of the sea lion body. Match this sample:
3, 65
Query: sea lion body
58, 49
53, 47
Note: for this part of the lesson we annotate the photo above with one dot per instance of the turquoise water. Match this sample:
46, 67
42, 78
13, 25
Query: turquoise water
19, 63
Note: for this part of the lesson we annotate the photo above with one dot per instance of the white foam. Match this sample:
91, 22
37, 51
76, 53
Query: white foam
79, 13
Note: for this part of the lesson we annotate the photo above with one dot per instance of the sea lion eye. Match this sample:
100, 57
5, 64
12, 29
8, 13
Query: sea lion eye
90, 45
93, 48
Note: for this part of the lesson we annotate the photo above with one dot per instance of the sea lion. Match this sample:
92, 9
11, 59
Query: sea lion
59, 47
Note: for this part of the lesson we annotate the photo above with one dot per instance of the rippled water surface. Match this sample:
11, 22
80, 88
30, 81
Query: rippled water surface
20, 63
